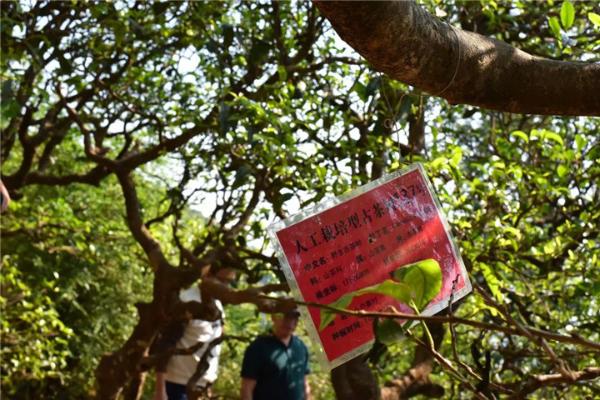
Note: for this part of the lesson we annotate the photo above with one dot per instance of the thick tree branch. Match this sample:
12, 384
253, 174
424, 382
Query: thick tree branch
211, 288
136, 226
539, 381
402, 40
92, 177
243, 220
416, 381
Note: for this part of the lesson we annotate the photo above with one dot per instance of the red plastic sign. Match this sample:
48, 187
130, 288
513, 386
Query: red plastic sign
359, 242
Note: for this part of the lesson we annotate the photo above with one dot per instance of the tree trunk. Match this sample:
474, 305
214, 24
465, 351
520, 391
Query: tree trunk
354, 380
116, 370
134, 390
405, 42
416, 381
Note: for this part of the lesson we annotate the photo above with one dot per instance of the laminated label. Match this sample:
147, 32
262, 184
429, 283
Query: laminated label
358, 240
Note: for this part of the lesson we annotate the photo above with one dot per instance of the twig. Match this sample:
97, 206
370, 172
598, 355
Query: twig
574, 339
539, 381
560, 364
445, 363
466, 367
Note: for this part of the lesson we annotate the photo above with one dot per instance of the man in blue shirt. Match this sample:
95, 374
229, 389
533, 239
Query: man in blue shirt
275, 365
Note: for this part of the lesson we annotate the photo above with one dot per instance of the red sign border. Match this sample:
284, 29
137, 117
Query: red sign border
332, 202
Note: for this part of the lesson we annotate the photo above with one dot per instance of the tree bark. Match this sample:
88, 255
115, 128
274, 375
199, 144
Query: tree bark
354, 380
117, 369
416, 380
408, 44
133, 391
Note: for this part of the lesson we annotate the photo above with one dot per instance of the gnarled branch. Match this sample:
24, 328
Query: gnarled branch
402, 40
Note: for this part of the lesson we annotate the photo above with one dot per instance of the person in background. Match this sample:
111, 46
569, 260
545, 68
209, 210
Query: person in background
173, 375
275, 365
4, 198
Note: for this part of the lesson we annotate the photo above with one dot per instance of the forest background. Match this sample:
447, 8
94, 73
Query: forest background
141, 141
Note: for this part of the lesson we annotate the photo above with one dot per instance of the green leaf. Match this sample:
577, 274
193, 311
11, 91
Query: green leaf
554, 26
546, 134
594, 18
286, 196
514, 232
397, 290
8, 110
388, 331
594, 152
567, 14
321, 173
438, 163
492, 281
282, 72
520, 134
562, 170
327, 316
581, 141
361, 91
457, 155
424, 278
119, 30
373, 86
